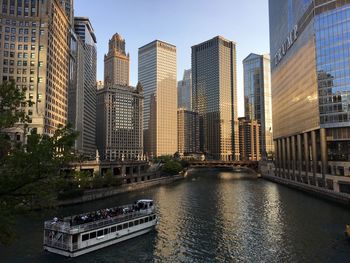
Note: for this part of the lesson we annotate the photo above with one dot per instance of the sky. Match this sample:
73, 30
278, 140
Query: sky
183, 23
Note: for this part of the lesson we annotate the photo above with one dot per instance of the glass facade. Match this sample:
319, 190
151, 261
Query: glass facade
184, 91
214, 97
310, 48
257, 97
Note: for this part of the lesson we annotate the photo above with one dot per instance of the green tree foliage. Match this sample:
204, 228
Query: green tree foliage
29, 173
172, 167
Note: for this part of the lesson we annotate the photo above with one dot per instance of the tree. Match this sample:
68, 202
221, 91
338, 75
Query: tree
11, 99
29, 173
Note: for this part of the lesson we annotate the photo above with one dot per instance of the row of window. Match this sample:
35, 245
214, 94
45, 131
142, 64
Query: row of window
20, 23
113, 229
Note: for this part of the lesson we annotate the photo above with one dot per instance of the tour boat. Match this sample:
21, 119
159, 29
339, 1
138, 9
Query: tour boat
80, 234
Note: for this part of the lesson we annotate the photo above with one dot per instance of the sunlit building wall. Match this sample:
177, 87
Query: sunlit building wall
157, 74
116, 62
119, 122
214, 97
310, 67
34, 48
249, 139
257, 98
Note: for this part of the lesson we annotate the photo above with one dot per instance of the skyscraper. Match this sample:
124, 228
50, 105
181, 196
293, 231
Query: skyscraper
34, 50
119, 122
188, 131
157, 74
310, 89
82, 94
257, 97
117, 62
214, 97
249, 139
184, 91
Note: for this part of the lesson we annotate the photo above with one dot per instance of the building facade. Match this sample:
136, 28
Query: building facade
214, 97
249, 139
82, 94
187, 131
184, 91
310, 67
34, 50
117, 62
119, 122
157, 74
257, 98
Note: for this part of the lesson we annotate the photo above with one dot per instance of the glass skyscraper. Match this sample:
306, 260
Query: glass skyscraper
310, 45
184, 91
214, 97
257, 97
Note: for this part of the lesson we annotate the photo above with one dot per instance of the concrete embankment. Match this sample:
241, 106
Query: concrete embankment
92, 195
340, 198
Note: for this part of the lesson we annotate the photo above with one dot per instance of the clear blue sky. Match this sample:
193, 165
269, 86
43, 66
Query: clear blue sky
183, 23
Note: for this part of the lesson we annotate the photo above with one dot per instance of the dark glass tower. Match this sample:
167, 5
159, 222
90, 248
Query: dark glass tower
214, 97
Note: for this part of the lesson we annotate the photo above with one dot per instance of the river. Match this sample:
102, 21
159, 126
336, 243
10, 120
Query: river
211, 216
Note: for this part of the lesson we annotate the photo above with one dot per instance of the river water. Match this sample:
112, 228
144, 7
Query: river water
211, 216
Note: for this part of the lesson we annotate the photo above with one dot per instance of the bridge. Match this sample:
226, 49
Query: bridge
248, 165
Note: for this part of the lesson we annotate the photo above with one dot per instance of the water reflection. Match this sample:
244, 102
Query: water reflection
211, 217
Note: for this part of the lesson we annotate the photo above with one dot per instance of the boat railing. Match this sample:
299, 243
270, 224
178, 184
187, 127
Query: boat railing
66, 227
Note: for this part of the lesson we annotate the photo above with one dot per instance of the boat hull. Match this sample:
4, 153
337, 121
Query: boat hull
99, 245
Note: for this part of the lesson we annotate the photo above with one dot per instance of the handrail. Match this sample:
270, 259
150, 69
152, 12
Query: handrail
64, 226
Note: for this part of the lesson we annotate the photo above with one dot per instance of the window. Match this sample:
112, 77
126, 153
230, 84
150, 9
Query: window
146, 219
41, 63
141, 221
136, 222
113, 229
131, 224
100, 233
41, 48
85, 237
105, 231
92, 235
119, 227
125, 225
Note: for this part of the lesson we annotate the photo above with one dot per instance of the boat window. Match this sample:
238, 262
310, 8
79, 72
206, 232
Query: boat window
154, 216
131, 224
146, 219
113, 229
125, 225
85, 237
141, 221
136, 222
92, 235
150, 218
100, 233
105, 231
119, 227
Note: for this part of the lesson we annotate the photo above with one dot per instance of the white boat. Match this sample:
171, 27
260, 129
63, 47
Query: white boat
80, 234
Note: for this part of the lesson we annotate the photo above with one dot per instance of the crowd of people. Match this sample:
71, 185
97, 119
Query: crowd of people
107, 213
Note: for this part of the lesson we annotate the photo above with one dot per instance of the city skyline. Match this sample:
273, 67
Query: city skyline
155, 21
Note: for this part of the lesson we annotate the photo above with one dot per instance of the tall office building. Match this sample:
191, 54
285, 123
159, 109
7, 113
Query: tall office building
184, 91
82, 90
311, 88
157, 74
68, 6
214, 97
119, 122
257, 97
117, 62
249, 139
34, 48
188, 131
